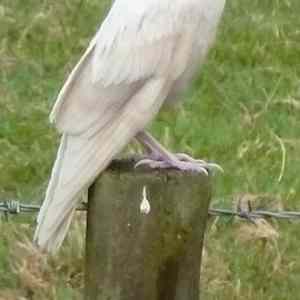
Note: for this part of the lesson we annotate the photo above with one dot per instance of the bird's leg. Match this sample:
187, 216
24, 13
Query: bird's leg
160, 157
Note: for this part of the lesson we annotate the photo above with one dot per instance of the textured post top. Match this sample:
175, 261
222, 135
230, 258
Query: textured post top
127, 166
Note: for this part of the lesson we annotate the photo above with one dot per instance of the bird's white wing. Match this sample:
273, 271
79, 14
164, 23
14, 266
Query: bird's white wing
80, 160
137, 40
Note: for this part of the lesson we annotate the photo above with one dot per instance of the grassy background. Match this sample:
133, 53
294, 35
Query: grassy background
242, 112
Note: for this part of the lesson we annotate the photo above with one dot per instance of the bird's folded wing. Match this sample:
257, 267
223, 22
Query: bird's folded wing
134, 43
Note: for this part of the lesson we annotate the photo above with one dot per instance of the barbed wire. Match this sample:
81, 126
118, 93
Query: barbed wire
255, 214
15, 207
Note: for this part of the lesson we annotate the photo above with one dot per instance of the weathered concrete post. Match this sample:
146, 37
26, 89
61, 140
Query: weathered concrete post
132, 255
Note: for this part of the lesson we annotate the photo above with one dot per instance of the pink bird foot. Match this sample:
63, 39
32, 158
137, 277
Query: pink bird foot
161, 158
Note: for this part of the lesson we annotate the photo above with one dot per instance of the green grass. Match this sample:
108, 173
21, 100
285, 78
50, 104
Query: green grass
242, 112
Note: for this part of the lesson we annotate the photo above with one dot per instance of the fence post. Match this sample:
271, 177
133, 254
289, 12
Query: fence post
132, 255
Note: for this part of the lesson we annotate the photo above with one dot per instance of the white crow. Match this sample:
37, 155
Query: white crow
144, 54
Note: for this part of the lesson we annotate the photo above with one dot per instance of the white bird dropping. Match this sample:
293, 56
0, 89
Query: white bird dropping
145, 207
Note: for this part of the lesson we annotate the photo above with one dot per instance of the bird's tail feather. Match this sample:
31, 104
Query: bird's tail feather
78, 162
53, 241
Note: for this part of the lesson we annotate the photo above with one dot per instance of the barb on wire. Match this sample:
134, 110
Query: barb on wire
13, 207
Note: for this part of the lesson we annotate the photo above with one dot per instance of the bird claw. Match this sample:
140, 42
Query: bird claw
210, 166
153, 164
182, 162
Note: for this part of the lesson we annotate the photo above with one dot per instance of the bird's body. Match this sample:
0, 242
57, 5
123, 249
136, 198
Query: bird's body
144, 55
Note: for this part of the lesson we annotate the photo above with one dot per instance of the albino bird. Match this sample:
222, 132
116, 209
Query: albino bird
144, 54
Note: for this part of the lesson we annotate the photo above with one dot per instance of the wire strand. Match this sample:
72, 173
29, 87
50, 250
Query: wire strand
14, 207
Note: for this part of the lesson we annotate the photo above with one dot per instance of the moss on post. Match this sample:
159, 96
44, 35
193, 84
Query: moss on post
131, 255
